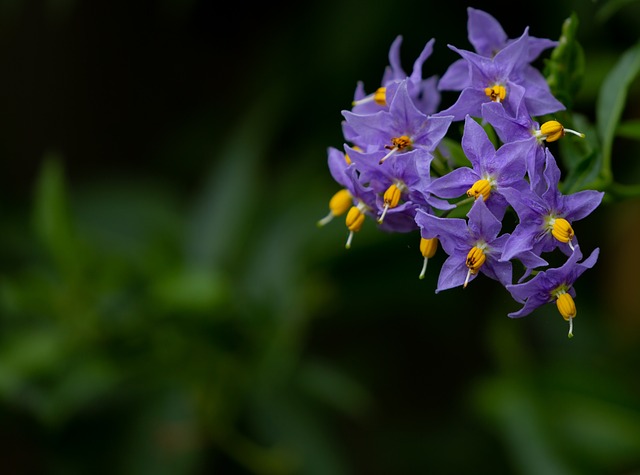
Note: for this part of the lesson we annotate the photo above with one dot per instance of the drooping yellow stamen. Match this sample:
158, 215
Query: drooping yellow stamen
480, 187
553, 130
567, 308
497, 93
338, 205
354, 220
562, 231
397, 145
475, 259
428, 249
379, 97
391, 199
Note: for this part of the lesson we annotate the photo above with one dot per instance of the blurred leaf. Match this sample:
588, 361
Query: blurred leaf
610, 8
51, 216
611, 102
564, 69
581, 157
629, 129
335, 388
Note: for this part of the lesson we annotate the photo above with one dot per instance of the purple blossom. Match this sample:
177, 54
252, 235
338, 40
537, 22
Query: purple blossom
459, 237
543, 288
423, 91
537, 213
505, 73
487, 37
502, 168
402, 128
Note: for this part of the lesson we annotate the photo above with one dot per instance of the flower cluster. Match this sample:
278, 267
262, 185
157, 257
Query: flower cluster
396, 168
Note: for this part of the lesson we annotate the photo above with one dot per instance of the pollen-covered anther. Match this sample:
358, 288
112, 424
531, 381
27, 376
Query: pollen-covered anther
379, 97
475, 259
397, 145
567, 308
497, 93
562, 231
391, 198
553, 130
338, 205
480, 188
428, 249
354, 220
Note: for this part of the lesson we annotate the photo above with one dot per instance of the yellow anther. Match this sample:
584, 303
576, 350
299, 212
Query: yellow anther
399, 143
338, 205
566, 306
497, 93
380, 96
355, 218
392, 196
428, 247
480, 187
475, 259
340, 202
562, 230
553, 130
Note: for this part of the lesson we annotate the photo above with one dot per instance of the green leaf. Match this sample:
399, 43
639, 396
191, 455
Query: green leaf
629, 129
565, 68
611, 101
51, 215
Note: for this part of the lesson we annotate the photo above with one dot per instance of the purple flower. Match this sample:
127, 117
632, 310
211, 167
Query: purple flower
472, 246
545, 220
553, 285
504, 78
487, 37
402, 128
401, 184
491, 171
423, 91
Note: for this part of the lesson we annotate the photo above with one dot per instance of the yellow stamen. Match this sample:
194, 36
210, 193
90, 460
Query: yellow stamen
338, 205
475, 259
391, 199
428, 249
480, 188
497, 93
379, 97
567, 308
397, 145
354, 220
553, 130
562, 230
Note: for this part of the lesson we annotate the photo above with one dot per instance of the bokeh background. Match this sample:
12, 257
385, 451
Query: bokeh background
168, 305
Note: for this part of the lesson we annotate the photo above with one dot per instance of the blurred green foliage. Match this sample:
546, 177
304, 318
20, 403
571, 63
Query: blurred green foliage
167, 305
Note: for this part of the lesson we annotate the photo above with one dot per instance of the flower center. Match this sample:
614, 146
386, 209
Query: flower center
497, 92
566, 306
475, 258
398, 144
391, 198
482, 188
553, 130
354, 220
379, 97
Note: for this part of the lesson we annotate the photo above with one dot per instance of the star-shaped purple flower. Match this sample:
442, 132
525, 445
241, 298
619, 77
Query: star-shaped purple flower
550, 285
423, 91
487, 37
506, 78
402, 128
490, 169
473, 246
539, 214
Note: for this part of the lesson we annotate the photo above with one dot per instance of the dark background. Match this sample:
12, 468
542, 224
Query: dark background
169, 306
